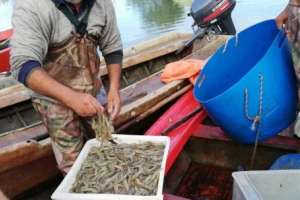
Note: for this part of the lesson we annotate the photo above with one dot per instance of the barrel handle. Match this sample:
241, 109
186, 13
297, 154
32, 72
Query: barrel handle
256, 120
201, 80
227, 41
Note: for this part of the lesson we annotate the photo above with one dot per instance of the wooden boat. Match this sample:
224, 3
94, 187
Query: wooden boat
141, 68
25, 150
202, 157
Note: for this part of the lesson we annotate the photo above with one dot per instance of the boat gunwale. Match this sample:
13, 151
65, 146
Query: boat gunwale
11, 97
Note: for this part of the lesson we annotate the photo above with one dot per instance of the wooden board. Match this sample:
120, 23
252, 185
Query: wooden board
149, 50
134, 55
22, 135
26, 165
13, 95
154, 92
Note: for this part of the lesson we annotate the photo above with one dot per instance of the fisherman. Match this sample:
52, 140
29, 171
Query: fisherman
54, 52
289, 20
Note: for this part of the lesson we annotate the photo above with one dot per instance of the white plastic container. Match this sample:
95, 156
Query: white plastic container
63, 190
266, 185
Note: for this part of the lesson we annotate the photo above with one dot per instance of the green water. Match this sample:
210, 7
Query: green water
140, 20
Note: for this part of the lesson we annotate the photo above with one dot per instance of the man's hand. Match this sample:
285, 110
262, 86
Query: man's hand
113, 97
85, 105
282, 18
113, 103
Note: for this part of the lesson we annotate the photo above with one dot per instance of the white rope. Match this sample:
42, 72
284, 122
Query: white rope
257, 118
227, 41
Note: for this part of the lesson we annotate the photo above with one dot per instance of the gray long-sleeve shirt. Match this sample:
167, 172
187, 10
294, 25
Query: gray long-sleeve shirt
38, 24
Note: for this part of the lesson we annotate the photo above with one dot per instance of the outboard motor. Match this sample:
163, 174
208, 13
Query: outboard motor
211, 17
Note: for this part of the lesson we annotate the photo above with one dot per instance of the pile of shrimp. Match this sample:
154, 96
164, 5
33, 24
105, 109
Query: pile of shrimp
131, 169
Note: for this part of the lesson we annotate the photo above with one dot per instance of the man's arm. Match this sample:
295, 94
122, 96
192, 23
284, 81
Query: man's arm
111, 46
83, 104
282, 18
29, 46
113, 97
297, 2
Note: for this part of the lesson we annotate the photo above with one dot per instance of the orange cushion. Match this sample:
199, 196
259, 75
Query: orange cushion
181, 70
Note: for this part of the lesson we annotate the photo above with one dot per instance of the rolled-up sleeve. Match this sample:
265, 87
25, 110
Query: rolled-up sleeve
115, 57
30, 37
110, 39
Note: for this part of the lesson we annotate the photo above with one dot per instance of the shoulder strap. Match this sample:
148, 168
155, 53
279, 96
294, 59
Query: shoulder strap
80, 24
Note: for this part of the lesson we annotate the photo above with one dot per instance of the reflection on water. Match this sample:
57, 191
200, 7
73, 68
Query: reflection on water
143, 19
160, 13
140, 20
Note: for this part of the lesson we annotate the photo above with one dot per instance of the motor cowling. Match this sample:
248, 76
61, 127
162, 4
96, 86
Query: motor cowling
208, 12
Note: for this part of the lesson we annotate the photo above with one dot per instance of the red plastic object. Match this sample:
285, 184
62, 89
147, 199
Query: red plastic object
4, 60
4, 54
4, 35
181, 134
173, 197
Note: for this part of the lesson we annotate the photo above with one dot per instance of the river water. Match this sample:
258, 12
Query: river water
140, 20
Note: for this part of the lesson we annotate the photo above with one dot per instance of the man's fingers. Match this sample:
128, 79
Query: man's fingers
280, 24
110, 107
91, 109
99, 108
116, 110
113, 113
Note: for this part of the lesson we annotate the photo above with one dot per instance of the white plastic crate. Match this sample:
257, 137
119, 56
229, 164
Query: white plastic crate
266, 185
63, 190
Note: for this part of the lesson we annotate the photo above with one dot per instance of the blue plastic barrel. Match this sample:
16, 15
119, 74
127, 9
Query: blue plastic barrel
289, 161
248, 87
